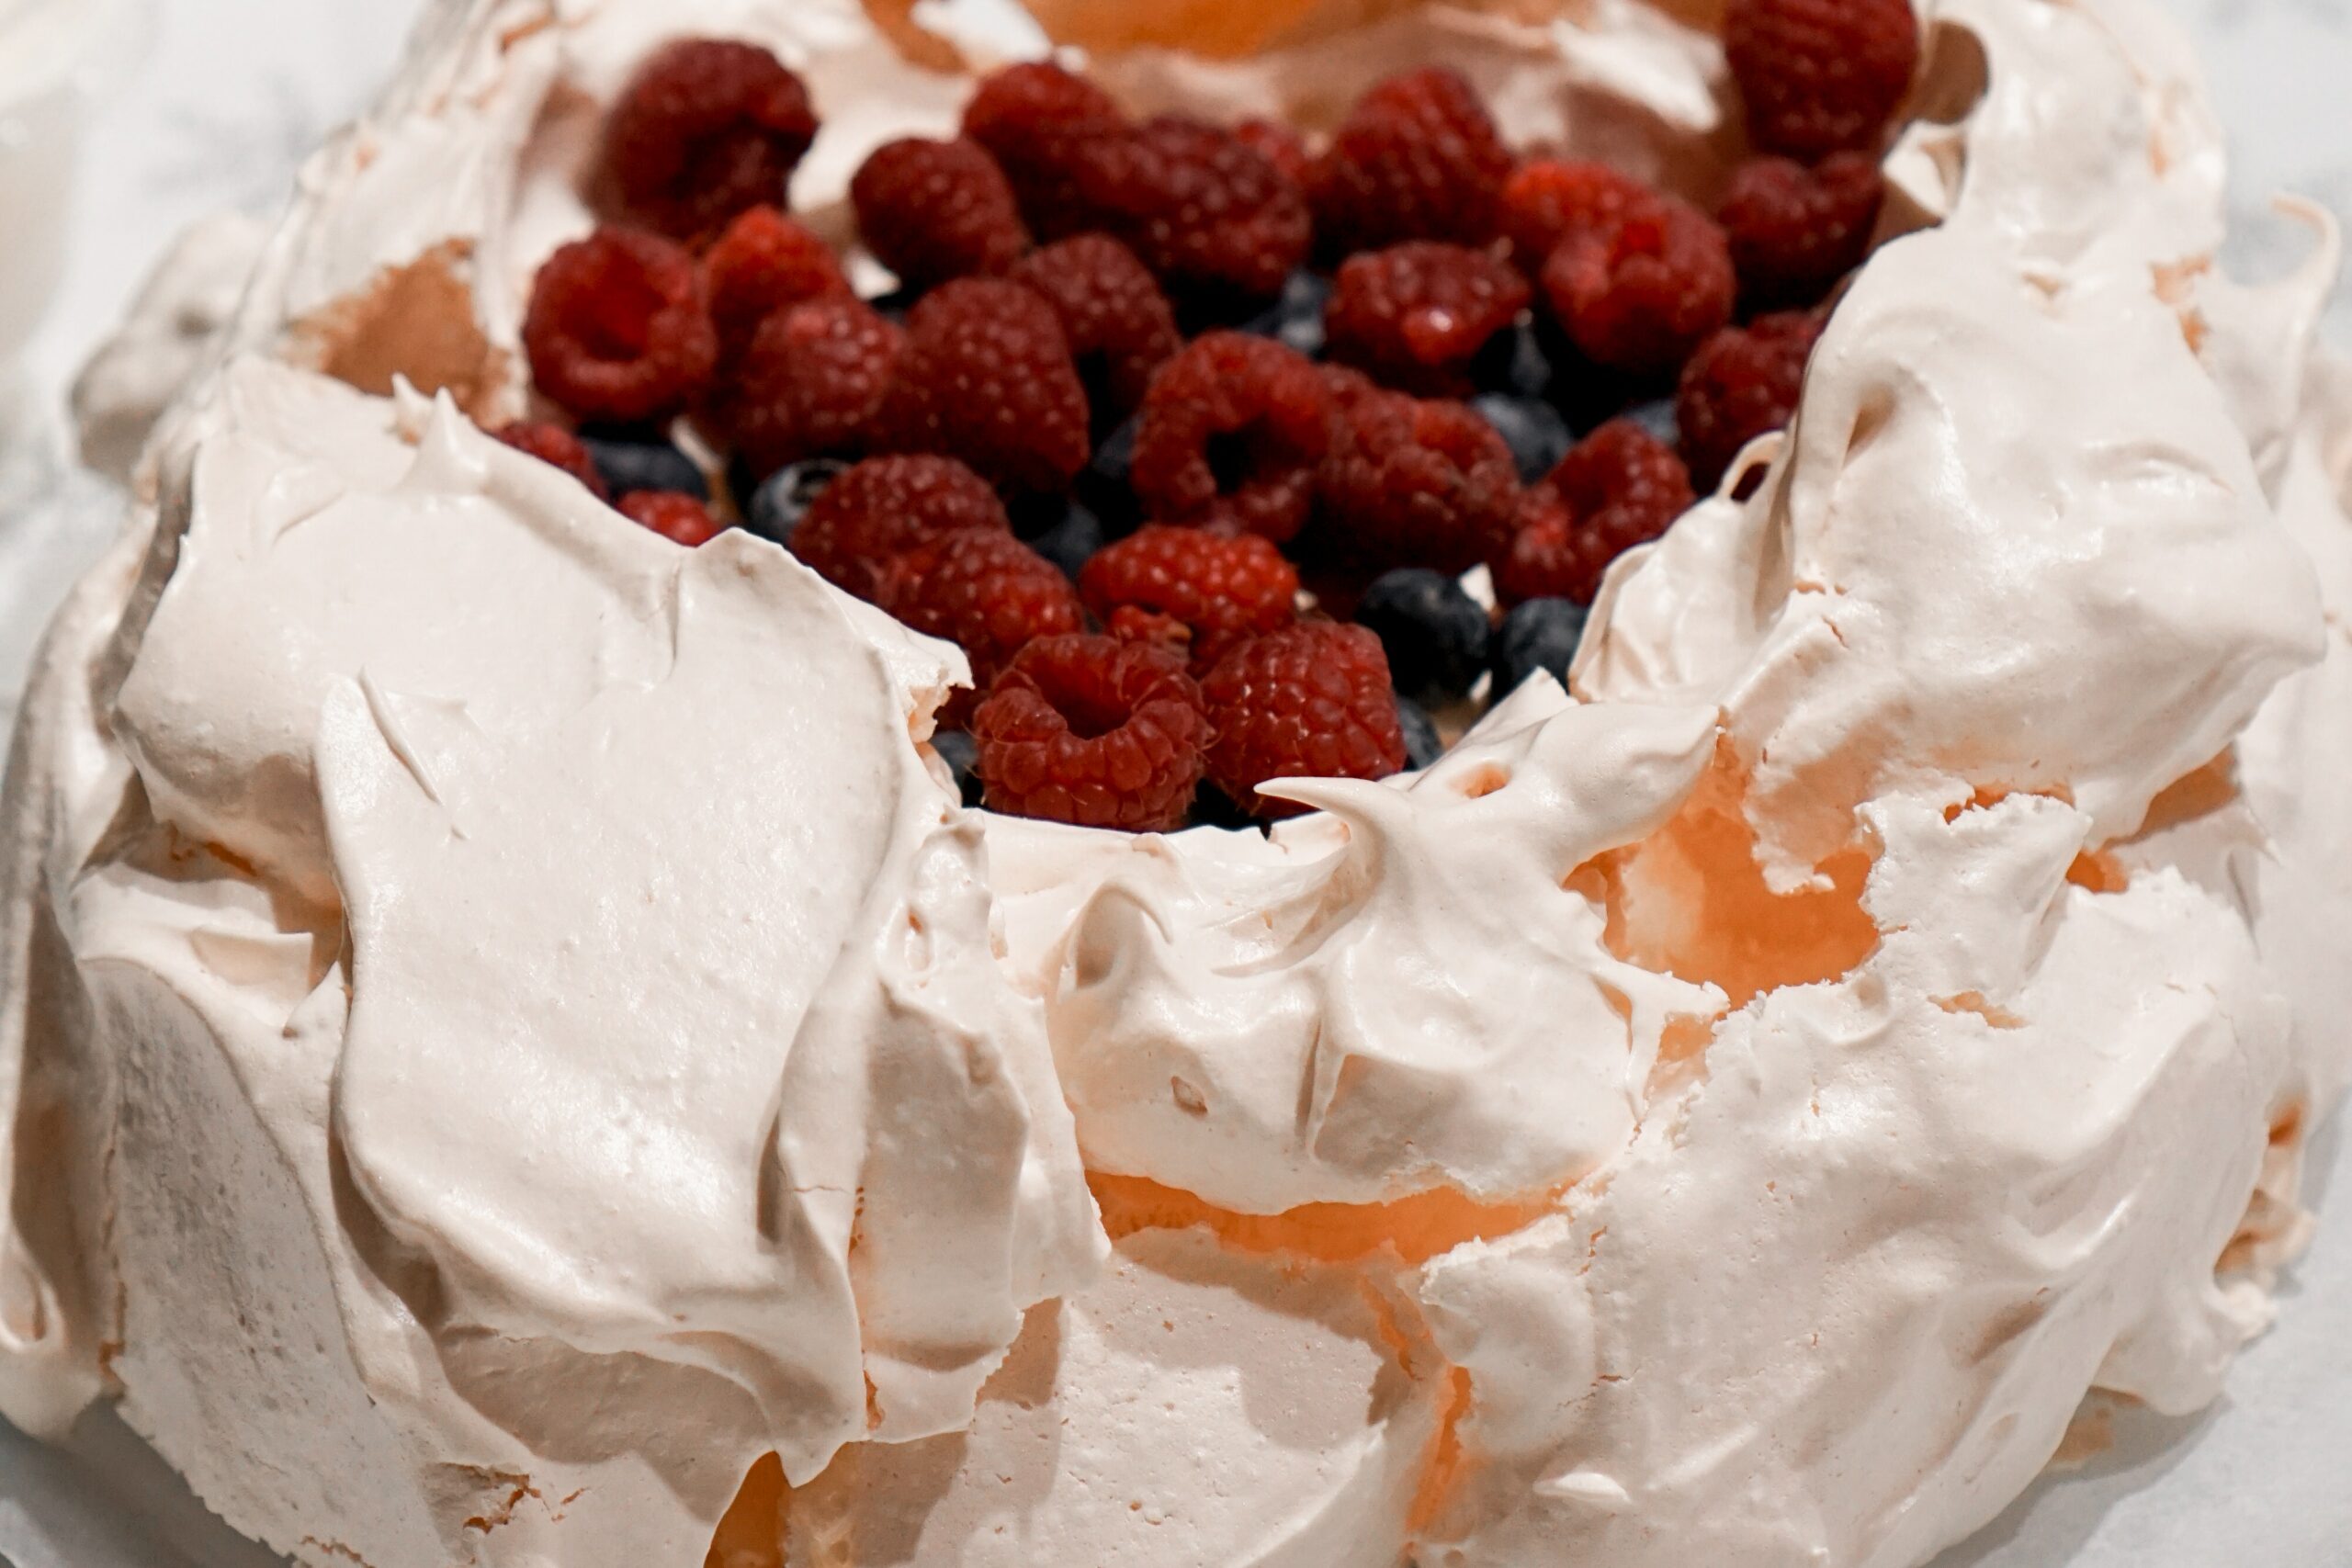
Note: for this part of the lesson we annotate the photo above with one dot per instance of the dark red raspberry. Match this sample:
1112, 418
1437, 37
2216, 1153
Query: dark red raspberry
1418, 158
1093, 731
708, 128
1278, 146
933, 211
1219, 587
1742, 383
553, 444
988, 380
763, 263
1232, 432
812, 383
618, 328
1639, 297
1036, 120
1794, 231
680, 518
1119, 325
1133, 623
987, 592
1415, 315
884, 508
1198, 206
1548, 198
1820, 76
1312, 700
1619, 487
1412, 483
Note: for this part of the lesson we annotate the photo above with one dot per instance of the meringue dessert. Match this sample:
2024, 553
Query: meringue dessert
769, 1020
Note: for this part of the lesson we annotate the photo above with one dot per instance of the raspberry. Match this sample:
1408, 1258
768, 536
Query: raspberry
1416, 159
1198, 206
553, 444
680, 518
1309, 701
985, 591
1118, 324
617, 328
987, 379
863, 521
1035, 121
1219, 587
1820, 76
707, 129
933, 211
1794, 231
1278, 146
1620, 487
812, 383
1741, 383
1415, 315
1093, 731
763, 263
1133, 623
1232, 432
1411, 483
1639, 297
1549, 198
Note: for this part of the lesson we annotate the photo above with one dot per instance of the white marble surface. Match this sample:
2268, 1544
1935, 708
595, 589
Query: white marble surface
223, 97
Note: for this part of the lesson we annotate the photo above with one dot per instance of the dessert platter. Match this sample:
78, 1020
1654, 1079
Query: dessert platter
1332, 783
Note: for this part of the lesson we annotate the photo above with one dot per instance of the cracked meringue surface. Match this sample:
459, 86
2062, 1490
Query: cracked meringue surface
506, 1032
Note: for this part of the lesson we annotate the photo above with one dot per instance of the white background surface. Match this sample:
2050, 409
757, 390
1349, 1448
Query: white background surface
223, 99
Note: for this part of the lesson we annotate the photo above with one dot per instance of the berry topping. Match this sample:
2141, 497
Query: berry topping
681, 519
780, 503
1409, 482
1423, 744
1037, 120
1232, 432
1794, 231
985, 591
1296, 319
1417, 158
1549, 198
1278, 144
1619, 488
553, 444
1743, 382
1434, 632
1538, 437
1640, 296
1070, 540
617, 328
1218, 587
1311, 700
961, 754
707, 129
886, 507
1542, 634
1415, 315
1203, 210
1094, 731
1820, 76
1118, 324
933, 211
813, 383
986, 379
763, 263
632, 461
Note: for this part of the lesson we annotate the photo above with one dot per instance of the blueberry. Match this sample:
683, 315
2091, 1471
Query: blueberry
1538, 437
1514, 362
782, 498
637, 459
1659, 418
1422, 743
1296, 319
897, 303
1434, 632
1104, 488
1542, 634
1070, 541
962, 755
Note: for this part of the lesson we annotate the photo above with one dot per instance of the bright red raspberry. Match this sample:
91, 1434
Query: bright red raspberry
1412, 483
812, 383
1794, 231
988, 380
1198, 206
680, 518
1820, 76
1036, 119
1120, 327
1278, 146
763, 263
1743, 382
1415, 315
1548, 198
1620, 487
1232, 432
618, 328
987, 592
553, 444
1641, 295
1093, 731
708, 128
1418, 158
1312, 700
933, 211
1133, 623
1219, 587
885, 508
